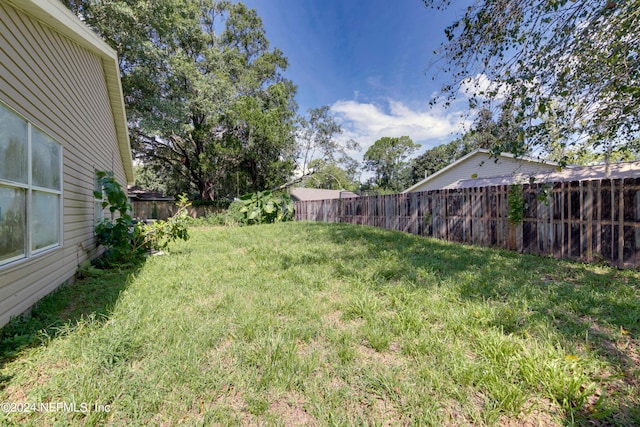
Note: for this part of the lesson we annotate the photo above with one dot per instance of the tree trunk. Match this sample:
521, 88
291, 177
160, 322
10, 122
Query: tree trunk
205, 188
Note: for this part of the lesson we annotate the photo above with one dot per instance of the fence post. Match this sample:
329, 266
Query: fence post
621, 223
589, 214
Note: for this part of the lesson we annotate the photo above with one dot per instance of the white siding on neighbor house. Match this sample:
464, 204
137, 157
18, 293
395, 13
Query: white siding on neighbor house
60, 88
484, 166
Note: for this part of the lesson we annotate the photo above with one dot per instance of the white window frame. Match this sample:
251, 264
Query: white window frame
29, 189
98, 210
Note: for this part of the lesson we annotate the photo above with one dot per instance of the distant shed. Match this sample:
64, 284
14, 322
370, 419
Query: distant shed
148, 204
306, 194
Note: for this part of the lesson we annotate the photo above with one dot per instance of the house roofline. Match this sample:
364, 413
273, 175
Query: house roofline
471, 154
55, 15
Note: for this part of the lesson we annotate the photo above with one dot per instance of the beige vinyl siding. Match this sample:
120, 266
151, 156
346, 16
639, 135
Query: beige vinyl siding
61, 88
484, 166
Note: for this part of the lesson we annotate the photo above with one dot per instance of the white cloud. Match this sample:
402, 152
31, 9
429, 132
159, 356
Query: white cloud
481, 85
368, 122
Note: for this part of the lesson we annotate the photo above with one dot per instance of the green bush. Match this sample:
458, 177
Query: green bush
234, 215
266, 207
159, 234
229, 217
516, 205
125, 239
254, 208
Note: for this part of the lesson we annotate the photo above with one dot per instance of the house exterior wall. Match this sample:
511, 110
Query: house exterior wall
61, 88
484, 166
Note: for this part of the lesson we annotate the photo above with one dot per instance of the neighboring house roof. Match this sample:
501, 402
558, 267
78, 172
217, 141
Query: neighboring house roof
574, 173
55, 15
140, 194
482, 163
304, 194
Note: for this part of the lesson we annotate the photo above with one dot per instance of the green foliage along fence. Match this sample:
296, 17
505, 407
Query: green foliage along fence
584, 220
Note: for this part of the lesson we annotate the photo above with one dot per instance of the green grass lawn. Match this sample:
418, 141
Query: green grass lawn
326, 324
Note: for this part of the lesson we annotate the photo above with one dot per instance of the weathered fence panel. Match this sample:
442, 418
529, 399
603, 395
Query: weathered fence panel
583, 220
163, 209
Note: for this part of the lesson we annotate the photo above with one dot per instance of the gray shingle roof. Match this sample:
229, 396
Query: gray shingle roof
303, 194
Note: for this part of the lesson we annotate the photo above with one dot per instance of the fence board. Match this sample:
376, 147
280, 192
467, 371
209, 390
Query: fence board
588, 220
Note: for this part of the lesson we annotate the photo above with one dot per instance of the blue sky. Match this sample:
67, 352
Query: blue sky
369, 61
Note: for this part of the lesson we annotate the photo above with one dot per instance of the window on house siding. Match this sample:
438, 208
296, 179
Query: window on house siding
98, 210
30, 189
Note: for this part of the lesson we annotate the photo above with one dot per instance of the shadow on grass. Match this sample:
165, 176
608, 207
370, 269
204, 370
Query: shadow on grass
591, 307
92, 295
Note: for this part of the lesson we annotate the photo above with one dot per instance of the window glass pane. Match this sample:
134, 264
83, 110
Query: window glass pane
13, 146
45, 156
45, 220
98, 211
12, 223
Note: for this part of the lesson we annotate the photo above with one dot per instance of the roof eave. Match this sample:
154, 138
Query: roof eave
471, 154
446, 168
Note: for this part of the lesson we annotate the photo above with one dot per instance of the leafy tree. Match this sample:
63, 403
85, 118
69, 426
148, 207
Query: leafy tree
316, 137
323, 161
583, 156
207, 105
151, 179
437, 158
387, 159
334, 175
568, 71
318, 149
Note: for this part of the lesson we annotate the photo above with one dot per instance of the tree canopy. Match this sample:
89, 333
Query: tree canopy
322, 160
316, 138
387, 159
206, 101
568, 70
334, 175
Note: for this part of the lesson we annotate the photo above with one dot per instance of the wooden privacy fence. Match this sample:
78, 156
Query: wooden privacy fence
583, 220
163, 209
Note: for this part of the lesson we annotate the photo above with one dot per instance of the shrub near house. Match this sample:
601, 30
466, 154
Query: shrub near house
266, 207
126, 239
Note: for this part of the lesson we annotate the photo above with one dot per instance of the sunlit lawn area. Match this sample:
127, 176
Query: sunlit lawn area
323, 324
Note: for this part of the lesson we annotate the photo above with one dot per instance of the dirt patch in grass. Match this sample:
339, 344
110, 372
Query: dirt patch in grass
234, 400
17, 394
333, 320
624, 349
291, 412
391, 357
69, 311
40, 374
336, 320
337, 383
386, 412
454, 414
541, 412
221, 355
